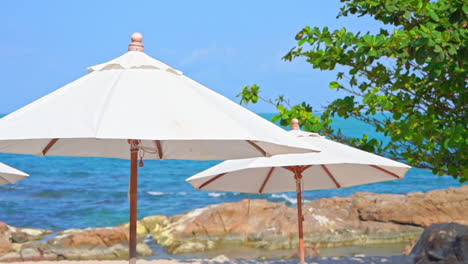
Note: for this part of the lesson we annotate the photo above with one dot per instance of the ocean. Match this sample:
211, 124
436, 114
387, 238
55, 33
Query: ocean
69, 192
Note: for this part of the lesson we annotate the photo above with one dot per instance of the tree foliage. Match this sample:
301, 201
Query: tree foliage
409, 83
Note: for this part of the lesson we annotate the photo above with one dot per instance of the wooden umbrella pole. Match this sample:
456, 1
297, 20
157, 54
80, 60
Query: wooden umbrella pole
133, 200
300, 218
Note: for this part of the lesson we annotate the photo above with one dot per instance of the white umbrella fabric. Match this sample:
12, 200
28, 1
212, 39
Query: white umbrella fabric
138, 102
10, 175
336, 166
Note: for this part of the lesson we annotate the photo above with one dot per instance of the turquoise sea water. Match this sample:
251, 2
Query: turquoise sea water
69, 192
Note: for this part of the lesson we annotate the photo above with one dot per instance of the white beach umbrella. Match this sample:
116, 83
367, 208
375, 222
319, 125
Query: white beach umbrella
10, 175
137, 102
336, 166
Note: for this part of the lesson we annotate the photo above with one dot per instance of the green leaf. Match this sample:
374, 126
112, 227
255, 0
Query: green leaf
302, 41
446, 143
409, 83
434, 16
372, 52
420, 42
407, 15
397, 115
334, 85
421, 56
275, 118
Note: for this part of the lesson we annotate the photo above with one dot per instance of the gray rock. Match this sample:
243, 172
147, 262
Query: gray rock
30, 253
13, 256
19, 237
447, 242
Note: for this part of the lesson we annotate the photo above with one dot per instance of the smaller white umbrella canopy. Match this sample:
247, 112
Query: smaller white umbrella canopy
10, 175
336, 166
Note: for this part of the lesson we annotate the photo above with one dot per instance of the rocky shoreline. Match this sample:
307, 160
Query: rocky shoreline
359, 219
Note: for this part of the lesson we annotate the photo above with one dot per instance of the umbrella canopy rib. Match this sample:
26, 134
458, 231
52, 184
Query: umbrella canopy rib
296, 169
386, 171
49, 146
266, 179
158, 146
291, 168
331, 176
257, 147
211, 180
7, 180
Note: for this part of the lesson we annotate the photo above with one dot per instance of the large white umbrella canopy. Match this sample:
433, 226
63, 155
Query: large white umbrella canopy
10, 175
336, 166
135, 105
138, 97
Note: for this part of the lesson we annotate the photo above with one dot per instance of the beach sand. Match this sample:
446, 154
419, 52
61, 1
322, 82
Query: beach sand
322, 260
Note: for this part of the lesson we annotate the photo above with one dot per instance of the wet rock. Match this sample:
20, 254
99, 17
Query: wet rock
310, 251
99, 243
360, 219
4, 228
365, 218
420, 209
220, 259
12, 238
5, 246
142, 231
37, 250
16, 246
9, 257
33, 234
30, 253
446, 242
19, 237
155, 224
190, 247
92, 237
5, 239
409, 247
143, 250
243, 222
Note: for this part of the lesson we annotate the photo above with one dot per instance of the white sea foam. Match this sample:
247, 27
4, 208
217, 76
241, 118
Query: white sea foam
216, 194
292, 200
166, 193
156, 193
16, 188
285, 197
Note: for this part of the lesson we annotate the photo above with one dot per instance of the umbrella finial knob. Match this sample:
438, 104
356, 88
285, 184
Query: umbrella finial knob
136, 45
295, 124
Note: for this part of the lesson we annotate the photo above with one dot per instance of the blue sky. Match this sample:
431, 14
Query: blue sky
223, 45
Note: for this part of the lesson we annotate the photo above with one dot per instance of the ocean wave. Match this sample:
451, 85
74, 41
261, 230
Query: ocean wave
292, 200
156, 193
165, 193
46, 194
213, 194
9, 187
